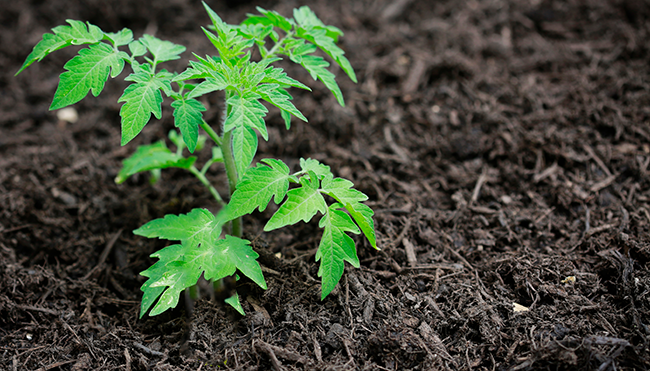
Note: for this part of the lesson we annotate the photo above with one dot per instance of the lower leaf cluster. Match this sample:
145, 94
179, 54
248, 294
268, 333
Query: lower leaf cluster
202, 250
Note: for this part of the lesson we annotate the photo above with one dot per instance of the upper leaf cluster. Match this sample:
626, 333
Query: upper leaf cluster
246, 82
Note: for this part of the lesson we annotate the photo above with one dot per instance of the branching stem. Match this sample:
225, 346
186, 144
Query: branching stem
206, 183
277, 45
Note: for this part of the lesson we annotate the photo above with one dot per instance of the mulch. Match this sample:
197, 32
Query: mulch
505, 148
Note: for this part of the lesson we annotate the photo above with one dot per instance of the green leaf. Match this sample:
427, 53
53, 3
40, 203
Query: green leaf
187, 118
142, 99
325, 37
286, 116
75, 34
209, 85
200, 252
178, 276
170, 271
162, 50
319, 169
362, 214
124, 37
87, 71
191, 228
341, 190
278, 76
255, 31
176, 139
204, 68
258, 185
301, 49
151, 157
244, 147
223, 257
280, 98
217, 154
316, 66
229, 43
233, 301
79, 33
319, 37
335, 247
246, 111
137, 49
270, 17
219, 24
307, 19
252, 74
301, 204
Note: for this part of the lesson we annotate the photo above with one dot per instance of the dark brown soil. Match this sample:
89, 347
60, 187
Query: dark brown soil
505, 146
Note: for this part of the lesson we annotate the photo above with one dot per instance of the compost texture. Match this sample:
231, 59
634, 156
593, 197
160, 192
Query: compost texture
504, 145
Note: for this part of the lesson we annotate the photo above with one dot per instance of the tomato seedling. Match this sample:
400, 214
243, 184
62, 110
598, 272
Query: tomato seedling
211, 245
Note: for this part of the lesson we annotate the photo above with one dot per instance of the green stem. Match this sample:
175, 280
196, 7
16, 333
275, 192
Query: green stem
206, 183
277, 45
231, 168
231, 172
211, 133
205, 167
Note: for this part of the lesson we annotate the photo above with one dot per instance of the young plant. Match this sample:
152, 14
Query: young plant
211, 245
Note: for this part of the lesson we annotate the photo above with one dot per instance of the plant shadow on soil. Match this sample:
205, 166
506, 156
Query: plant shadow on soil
505, 147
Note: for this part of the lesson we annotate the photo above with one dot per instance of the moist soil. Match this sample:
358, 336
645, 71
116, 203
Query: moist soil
505, 148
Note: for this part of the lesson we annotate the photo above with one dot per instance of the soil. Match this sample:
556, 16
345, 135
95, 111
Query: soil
505, 147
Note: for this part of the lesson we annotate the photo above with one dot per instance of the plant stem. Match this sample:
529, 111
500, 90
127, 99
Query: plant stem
211, 133
231, 168
206, 183
231, 172
277, 45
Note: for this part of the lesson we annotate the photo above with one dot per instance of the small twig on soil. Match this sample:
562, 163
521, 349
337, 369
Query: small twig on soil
451, 266
434, 306
593, 231
56, 364
647, 214
317, 350
401, 235
149, 350
603, 183
266, 348
483, 210
127, 356
644, 167
14, 229
347, 301
546, 213
399, 151
477, 188
630, 195
595, 157
546, 173
410, 252
104, 255
626, 219
393, 264
414, 78
458, 256
394, 9
37, 309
